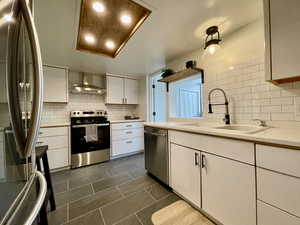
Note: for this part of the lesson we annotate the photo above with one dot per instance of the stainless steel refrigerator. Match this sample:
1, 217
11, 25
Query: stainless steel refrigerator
22, 187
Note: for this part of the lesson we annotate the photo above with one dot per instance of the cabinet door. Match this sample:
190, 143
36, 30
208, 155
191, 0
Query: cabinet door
131, 91
228, 190
55, 84
115, 90
185, 173
284, 19
269, 215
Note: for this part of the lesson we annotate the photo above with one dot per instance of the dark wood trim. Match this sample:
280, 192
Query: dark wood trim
286, 80
181, 75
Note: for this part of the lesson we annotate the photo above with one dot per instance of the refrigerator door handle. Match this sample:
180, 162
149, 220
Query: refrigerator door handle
39, 202
40, 199
37, 79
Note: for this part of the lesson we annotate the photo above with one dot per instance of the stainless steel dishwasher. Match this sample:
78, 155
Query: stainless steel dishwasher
157, 153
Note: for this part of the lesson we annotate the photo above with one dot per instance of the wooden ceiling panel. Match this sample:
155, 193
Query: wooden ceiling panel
106, 25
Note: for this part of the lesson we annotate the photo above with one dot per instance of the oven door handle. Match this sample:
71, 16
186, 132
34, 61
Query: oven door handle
87, 125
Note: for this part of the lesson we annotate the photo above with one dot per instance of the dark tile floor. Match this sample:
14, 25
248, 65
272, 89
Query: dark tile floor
118, 192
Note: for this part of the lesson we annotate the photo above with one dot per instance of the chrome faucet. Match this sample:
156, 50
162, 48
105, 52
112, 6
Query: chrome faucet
227, 116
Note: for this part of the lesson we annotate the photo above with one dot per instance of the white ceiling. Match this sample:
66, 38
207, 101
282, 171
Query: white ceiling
174, 28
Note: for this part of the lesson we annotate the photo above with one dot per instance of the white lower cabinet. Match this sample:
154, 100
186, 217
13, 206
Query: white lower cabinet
228, 190
185, 173
269, 215
58, 158
126, 138
57, 139
126, 146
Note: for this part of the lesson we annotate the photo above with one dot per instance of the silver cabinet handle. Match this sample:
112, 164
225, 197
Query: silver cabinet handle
203, 161
128, 142
155, 134
196, 159
128, 125
129, 132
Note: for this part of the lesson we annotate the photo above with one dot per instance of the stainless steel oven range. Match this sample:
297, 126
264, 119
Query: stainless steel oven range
90, 138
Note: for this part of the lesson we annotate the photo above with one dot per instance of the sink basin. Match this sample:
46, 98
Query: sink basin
242, 128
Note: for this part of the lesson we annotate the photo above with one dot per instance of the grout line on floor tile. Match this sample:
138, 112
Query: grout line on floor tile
80, 216
124, 218
101, 214
118, 188
68, 212
145, 188
92, 188
138, 218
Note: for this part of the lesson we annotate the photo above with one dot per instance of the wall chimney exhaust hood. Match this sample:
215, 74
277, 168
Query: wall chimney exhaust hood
90, 84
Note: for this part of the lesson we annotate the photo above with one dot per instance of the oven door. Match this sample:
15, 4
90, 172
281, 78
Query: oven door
80, 144
86, 151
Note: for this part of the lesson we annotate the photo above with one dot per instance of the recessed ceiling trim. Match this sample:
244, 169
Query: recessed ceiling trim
108, 26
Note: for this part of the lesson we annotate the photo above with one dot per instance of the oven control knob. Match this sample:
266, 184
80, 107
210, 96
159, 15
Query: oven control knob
74, 113
105, 113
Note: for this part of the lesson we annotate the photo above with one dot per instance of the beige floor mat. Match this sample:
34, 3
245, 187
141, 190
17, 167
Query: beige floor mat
179, 213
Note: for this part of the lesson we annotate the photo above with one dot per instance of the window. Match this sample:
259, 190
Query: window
186, 97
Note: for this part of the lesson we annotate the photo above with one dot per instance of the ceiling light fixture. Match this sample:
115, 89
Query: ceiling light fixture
211, 42
89, 39
110, 44
98, 7
125, 19
8, 17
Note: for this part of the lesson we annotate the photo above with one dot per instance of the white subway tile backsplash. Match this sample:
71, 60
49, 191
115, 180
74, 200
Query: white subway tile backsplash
283, 116
253, 97
282, 101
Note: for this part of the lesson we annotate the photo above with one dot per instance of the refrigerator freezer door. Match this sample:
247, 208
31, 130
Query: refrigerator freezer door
20, 107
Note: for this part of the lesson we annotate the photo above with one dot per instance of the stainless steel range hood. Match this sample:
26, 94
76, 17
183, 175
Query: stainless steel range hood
90, 84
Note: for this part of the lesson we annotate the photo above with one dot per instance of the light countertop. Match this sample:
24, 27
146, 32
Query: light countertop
126, 121
286, 137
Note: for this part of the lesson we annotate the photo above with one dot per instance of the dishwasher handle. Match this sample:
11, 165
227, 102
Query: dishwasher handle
155, 134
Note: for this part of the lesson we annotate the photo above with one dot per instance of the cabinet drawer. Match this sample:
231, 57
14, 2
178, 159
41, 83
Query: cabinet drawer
121, 126
58, 158
234, 149
278, 159
54, 131
268, 215
54, 142
127, 146
127, 134
279, 190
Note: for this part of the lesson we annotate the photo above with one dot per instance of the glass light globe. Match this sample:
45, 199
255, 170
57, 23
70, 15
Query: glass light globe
213, 48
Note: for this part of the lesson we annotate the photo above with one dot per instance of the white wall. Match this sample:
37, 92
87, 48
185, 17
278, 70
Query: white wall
60, 113
238, 68
142, 109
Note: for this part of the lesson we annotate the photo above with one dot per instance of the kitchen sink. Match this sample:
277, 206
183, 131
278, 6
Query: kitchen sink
238, 128
242, 128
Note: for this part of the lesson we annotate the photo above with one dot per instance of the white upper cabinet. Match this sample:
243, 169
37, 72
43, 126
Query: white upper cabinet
55, 84
185, 173
282, 20
115, 90
121, 90
131, 91
228, 190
